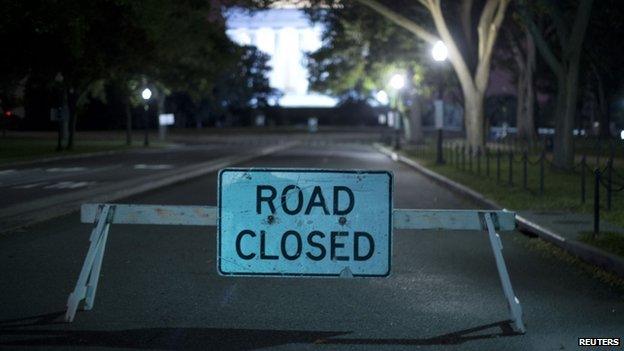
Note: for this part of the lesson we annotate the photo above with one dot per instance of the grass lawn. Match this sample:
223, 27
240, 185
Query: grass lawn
612, 242
18, 147
562, 190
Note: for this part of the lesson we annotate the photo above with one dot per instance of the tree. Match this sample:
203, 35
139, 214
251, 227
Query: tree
359, 55
472, 77
562, 53
80, 47
520, 46
602, 54
243, 84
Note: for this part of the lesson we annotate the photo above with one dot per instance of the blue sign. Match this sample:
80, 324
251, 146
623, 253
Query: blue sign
304, 222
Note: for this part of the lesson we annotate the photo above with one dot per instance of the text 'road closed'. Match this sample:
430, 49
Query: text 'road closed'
304, 222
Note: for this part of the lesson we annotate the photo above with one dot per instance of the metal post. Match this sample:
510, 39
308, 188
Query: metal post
498, 159
487, 161
609, 185
542, 161
510, 173
596, 202
479, 160
463, 155
146, 123
525, 160
583, 177
513, 304
440, 156
470, 157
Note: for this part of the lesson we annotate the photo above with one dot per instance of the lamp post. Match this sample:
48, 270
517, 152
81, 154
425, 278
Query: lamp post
439, 53
397, 82
146, 94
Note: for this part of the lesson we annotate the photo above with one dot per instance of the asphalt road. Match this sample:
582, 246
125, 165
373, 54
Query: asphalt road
160, 289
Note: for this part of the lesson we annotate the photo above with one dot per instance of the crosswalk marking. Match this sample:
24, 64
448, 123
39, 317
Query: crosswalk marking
152, 167
67, 185
30, 186
65, 169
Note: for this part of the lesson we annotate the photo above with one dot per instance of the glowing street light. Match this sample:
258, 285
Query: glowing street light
439, 52
382, 97
397, 82
146, 94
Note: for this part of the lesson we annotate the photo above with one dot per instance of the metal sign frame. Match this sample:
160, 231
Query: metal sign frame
104, 215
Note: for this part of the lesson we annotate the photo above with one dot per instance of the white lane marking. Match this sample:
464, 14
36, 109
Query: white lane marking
29, 186
68, 185
65, 169
7, 171
152, 167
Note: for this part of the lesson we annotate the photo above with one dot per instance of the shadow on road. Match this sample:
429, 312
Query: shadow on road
454, 338
13, 333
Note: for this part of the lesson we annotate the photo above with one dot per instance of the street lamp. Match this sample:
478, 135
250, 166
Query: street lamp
397, 82
146, 94
382, 97
439, 53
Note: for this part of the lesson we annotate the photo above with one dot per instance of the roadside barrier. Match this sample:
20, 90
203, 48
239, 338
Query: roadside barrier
462, 158
105, 215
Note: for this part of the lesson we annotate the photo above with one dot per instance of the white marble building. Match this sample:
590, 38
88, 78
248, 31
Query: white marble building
286, 35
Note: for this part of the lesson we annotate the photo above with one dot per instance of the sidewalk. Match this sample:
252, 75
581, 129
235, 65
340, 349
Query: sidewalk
560, 228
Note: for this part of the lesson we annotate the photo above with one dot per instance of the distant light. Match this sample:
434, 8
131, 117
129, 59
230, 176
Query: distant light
439, 52
8, 113
382, 97
146, 94
397, 81
622, 135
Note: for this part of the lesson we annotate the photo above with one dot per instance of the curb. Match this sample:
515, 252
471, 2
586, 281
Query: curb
589, 254
39, 210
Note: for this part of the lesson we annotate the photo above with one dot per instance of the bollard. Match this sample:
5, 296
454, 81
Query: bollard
463, 156
479, 160
583, 177
525, 160
542, 160
609, 186
596, 202
498, 159
487, 162
510, 173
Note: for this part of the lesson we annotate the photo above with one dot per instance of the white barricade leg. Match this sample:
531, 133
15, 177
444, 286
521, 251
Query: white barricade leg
89, 274
94, 276
515, 309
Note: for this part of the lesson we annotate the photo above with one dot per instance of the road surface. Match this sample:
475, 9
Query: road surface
160, 289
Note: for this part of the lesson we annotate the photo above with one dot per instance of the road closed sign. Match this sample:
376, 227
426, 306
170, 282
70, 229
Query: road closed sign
292, 222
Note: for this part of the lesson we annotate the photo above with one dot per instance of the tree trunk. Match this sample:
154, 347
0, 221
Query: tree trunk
521, 105
71, 109
565, 114
603, 107
473, 118
529, 105
414, 121
525, 112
